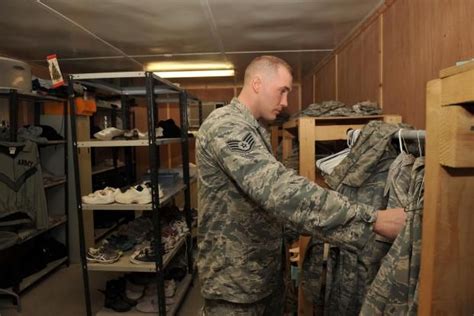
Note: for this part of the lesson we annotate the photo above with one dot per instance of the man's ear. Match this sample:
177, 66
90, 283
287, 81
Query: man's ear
257, 84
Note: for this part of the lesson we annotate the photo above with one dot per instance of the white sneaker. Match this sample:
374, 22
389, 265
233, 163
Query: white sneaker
135, 195
105, 196
134, 291
170, 290
147, 184
149, 304
134, 134
158, 133
108, 133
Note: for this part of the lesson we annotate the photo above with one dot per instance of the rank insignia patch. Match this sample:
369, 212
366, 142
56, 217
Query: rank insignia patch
243, 146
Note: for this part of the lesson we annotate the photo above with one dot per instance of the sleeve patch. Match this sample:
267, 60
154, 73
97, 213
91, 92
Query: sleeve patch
242, 146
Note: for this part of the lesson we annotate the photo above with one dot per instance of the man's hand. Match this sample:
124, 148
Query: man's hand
389, 222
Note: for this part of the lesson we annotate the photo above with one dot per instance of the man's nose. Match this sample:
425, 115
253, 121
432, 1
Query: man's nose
284, 101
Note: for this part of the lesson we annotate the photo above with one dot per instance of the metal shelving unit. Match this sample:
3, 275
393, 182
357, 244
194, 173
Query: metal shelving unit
127, 143
56, 220
153, 88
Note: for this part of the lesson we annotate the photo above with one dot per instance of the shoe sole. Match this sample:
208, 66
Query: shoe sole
93, 260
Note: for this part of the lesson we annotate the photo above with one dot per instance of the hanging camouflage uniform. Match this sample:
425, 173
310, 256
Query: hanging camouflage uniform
361, 176
394, 290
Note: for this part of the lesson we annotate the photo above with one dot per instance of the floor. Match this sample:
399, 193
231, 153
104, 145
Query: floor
62, 294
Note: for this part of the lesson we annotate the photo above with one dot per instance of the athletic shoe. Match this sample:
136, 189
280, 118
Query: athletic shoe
134, 134
149, 305
170, 289
143, 255
103, 255
147, 184
105, 196
134, 195
134, 291
108, 133
158, 133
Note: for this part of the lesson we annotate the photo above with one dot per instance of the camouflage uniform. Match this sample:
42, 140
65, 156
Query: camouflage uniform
398, 181
394, 290
361, 176
245, 196
336, 108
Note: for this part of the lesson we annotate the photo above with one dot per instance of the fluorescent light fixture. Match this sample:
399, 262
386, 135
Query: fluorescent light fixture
196, 73
187, 65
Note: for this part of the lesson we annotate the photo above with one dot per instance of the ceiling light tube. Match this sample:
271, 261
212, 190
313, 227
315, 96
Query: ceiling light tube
196, 73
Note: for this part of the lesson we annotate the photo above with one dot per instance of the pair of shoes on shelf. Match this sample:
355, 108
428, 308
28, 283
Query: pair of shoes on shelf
103, 254
109, 133
104, 196
138, 194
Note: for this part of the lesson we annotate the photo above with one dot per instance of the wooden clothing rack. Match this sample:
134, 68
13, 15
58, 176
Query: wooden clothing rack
308, 130
447, 256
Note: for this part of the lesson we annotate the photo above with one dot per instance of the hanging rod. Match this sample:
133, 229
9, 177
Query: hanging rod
412, 134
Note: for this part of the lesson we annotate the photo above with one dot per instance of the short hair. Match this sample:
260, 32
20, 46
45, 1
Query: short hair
265, 63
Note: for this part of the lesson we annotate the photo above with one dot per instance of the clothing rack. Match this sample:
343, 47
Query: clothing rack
410, 134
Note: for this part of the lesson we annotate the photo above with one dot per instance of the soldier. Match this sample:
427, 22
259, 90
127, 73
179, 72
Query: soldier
246, 196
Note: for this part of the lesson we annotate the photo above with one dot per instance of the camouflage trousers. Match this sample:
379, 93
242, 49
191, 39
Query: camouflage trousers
272, 305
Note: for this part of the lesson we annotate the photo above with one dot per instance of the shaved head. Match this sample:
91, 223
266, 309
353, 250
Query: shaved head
267, 83
264, 65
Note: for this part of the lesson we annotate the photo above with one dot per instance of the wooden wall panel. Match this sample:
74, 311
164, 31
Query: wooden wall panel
421, 38
325, 82
358, 67
307, 90
213, 94
294, 99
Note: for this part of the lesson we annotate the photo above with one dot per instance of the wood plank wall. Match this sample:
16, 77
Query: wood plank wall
325, 82
392, 56
171, 154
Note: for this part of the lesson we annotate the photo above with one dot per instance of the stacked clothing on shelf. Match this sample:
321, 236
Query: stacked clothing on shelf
39, 134
375, 174
336, 108
23, 199
21, 260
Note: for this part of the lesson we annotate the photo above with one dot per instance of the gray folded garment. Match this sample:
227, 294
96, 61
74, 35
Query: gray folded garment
7, 239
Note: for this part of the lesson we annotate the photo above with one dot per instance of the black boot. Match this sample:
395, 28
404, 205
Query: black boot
113, 298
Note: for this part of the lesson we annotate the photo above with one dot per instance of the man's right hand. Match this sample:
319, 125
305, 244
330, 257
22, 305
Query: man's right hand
389, 222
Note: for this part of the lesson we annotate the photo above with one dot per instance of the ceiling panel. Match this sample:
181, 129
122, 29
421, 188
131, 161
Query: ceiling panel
285, 25
301, 63
29, 31
143, 26
98, 65
93, 36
